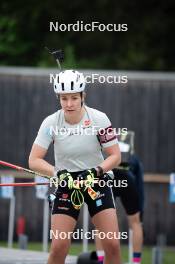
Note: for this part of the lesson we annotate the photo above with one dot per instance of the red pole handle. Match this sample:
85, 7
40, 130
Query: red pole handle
4, 163
23, 184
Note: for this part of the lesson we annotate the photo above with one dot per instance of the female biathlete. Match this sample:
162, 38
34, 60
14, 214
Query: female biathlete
78, 154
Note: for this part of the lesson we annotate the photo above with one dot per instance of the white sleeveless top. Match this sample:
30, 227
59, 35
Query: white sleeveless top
77, 147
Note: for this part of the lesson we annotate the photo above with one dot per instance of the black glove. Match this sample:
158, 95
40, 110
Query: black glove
64, 175
94, 172
86, 178
61, 174
83, 175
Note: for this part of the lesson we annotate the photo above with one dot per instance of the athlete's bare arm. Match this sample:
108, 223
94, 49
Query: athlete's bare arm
113, 159
37, 162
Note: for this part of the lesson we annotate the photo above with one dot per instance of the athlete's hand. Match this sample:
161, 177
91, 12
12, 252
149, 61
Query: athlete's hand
84, 175
64, 175
86, 178
61, 174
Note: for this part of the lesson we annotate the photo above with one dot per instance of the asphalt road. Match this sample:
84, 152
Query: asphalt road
17, 256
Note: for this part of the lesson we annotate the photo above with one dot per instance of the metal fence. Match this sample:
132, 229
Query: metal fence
146, 104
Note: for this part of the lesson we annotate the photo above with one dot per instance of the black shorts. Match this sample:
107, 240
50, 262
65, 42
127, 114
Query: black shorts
62, 203
129, 195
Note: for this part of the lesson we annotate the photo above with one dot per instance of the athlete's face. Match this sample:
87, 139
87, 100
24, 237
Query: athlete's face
71, 103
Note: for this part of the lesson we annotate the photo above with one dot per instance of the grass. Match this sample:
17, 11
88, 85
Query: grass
76, 249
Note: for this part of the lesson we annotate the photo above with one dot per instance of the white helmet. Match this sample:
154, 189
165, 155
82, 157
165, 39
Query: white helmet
69, 81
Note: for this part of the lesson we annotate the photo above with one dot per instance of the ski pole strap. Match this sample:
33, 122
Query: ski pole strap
77, 197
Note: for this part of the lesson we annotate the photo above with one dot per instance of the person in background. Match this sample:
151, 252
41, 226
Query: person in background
132, 196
